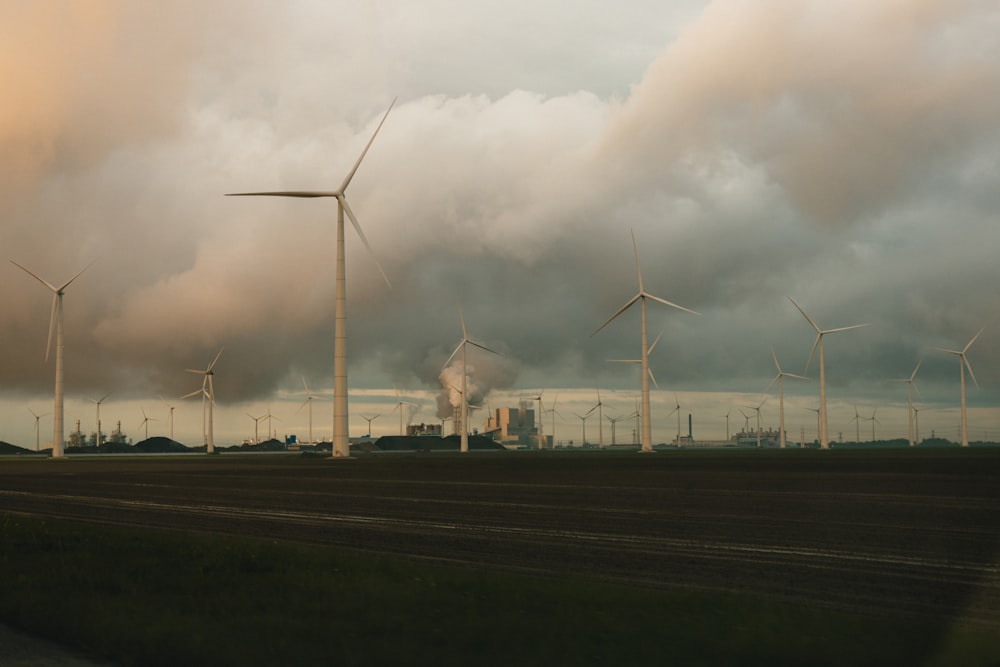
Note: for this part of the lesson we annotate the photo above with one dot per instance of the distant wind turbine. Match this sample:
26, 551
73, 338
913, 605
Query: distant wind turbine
37, 417
464, 436
56, 324
963, 363
341, 436
781, 395
677, 409
145, 421
857, 425
641, 296
600, 420
370, 420
756, 408
207, 392
256, 427
824, 442
613, 420
910, 384
171, 416
270, 433
583, 422
874, 420
308, 401
97, 440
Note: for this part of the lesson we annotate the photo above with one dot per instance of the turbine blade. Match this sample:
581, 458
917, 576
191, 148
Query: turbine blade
454, 352
651, 377
212, 365
648, 351
52, 325
620, 311
808, 319
66, 284
364, 239
286, 193
969, 344
461, 319
853, 326
965, 360
350, 175
669, 303
36, 277
638, 269
819, 338
793, 375
483, 347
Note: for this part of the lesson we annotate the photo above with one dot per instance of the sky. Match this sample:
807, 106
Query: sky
841, 154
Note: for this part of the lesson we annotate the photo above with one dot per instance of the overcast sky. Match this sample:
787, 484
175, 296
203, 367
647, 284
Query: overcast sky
843, 154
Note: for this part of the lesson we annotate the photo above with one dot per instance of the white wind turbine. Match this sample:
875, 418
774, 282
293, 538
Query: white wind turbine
874, 420
207, 392
256, 427
270, 433
677, 409
97, 440
857, 426
910, 384
641, 296
145, 421
963, 363
37, 417
171, 416
756, 408
583, 422
400, 403
781, 395
308, 401
341, 436
56, 324
538, 419
599, 406
824, 442
464, 437
370, 420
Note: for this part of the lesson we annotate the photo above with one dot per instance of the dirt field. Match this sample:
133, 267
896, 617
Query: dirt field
895, 533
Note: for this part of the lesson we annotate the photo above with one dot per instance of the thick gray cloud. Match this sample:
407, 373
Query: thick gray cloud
842, 154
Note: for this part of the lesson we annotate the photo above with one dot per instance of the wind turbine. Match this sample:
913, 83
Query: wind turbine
613, 420
171, 416
309, 400
538, 419
909, 397
641, 296
583, 423
963, 363
756, 408
874, 420
145, 422
464, 437
554, 413
37, 417
400, 403
97, 440
781, 396
824, 443
207, 392
677, 409
857, 425
370, 420
600, 420
269, 417
817, 411
56, 324
341, 438
256, 427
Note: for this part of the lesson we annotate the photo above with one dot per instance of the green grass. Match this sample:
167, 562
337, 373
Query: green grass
146, 597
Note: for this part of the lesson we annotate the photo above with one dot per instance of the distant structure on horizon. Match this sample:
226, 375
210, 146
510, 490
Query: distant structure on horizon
515, 428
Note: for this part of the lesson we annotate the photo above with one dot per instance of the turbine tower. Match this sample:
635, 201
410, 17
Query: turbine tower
309, 400
963, 363
97, 438
56, 323
208, 394
909, 398
341, 439
256, 427
781, 396
464, 436
647, 438
824, 442
37, 417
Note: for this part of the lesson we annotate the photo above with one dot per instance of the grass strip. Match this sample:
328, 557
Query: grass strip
148, 597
